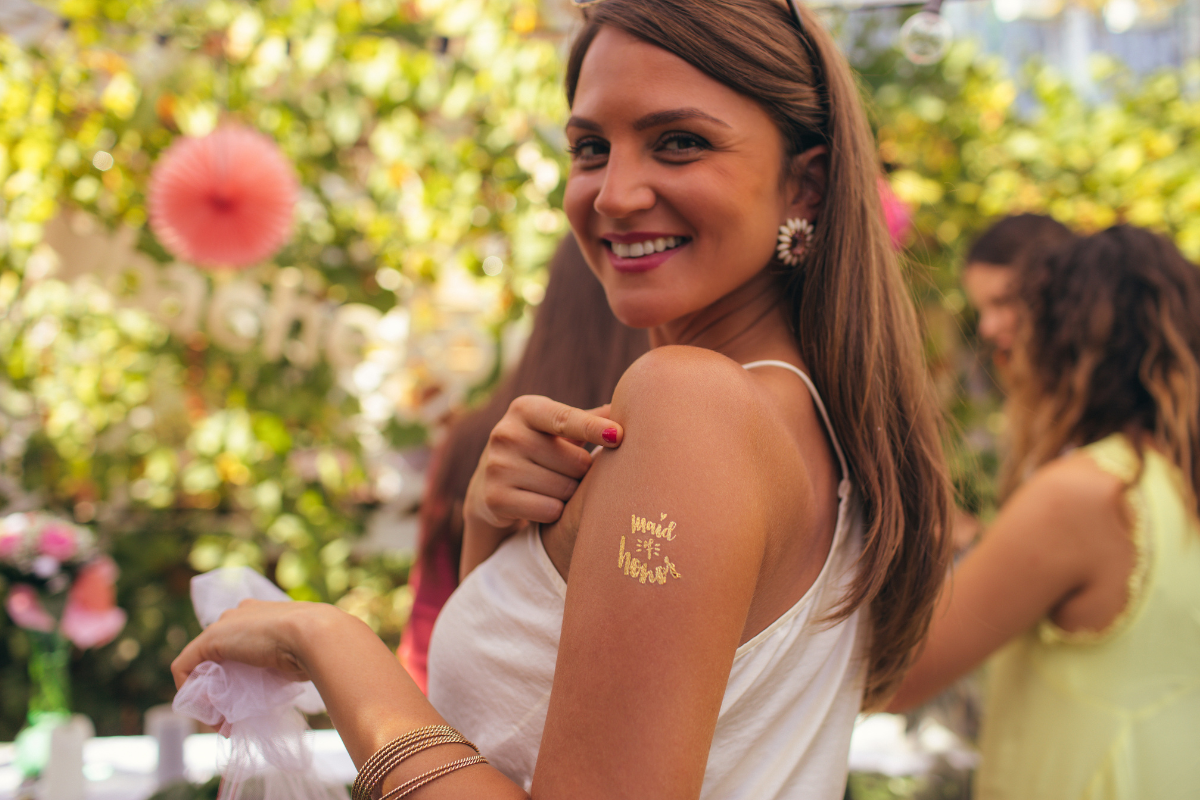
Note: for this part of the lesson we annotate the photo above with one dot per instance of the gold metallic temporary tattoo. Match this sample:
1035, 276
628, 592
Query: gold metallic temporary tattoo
641, 569
643, 525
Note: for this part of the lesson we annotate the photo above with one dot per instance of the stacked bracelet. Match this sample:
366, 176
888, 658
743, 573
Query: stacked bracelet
408, 787
391, 755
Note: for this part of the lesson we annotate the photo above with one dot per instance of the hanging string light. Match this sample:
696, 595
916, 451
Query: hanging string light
924, 38
926, 35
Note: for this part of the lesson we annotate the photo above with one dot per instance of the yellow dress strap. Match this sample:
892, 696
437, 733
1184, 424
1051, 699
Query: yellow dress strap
1116, 455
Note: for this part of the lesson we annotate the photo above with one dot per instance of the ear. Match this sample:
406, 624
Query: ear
809, 176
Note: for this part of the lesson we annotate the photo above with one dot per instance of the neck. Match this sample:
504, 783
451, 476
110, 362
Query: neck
748, 324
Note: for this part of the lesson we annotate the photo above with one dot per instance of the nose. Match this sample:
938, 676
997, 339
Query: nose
625, 190
987, 326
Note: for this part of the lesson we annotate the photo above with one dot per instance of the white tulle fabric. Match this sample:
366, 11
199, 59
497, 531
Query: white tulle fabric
258, 709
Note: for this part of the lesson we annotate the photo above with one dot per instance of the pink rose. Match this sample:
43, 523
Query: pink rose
91, 618
88, 628
26, 610
57, 541
95, 586
10, 542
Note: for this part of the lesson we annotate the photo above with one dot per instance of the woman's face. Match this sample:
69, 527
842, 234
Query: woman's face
675, 193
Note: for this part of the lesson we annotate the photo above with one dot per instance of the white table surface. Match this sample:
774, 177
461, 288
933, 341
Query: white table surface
123, 767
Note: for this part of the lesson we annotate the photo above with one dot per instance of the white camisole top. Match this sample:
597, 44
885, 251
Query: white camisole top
789, 707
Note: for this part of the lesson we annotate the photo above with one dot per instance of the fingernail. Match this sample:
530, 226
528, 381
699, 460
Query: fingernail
609, 435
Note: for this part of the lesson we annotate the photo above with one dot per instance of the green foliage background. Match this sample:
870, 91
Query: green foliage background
425, 133
965, 143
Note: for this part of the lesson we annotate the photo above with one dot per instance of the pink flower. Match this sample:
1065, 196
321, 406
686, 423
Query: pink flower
95, 586
91, 628
26, 610
10, 543
224, 200
57, 541
897, 214
91, 617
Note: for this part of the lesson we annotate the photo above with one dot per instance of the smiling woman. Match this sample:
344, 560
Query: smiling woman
644, 169
771, 481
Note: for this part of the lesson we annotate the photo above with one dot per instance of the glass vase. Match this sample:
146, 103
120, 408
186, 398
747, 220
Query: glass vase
49, 699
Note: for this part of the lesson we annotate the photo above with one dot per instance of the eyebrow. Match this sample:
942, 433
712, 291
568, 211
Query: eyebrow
652, 120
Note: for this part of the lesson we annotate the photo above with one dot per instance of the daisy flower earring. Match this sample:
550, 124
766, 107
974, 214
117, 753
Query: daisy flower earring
795, 236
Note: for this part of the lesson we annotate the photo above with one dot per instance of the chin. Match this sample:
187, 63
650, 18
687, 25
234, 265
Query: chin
635, 314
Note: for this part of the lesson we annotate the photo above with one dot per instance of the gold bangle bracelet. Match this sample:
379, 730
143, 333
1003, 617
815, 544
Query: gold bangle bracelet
395, 757
408, 787
370, 774
360, 790
388, 757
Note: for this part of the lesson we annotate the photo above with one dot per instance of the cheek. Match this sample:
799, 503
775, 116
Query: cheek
740, 214
740, 236
577, 199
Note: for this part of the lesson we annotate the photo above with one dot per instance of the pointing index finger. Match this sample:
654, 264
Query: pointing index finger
574, 423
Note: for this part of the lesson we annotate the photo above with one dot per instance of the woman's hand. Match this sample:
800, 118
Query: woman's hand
532, 465
258, 633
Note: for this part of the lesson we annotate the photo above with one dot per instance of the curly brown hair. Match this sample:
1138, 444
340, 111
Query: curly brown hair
1009, 241
1110, 344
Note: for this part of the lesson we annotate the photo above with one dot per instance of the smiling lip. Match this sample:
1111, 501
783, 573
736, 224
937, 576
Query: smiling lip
643, 263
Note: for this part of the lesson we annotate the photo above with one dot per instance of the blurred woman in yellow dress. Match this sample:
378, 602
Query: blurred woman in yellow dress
1085, 592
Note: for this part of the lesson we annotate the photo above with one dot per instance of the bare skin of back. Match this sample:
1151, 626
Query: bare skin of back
1061, 549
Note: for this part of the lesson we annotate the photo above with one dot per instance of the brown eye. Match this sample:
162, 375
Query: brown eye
589, 149
682, 143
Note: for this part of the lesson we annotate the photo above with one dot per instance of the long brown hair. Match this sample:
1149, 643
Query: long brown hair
1110, 343
852, 316
576, 353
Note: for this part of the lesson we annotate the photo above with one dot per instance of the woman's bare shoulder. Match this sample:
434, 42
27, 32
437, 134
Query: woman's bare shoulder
690, 389
1068, 502
1074, 483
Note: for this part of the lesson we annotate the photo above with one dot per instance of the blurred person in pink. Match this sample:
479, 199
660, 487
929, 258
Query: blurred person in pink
576, 353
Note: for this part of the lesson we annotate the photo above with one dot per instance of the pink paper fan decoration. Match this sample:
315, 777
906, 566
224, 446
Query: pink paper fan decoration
223, 200
897, 214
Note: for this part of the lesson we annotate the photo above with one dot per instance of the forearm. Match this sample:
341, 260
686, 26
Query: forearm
480, 540
372, 700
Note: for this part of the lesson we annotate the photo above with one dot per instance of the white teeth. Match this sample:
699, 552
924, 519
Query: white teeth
648, 247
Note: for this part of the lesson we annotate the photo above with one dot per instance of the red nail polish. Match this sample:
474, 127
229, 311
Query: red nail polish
610, 435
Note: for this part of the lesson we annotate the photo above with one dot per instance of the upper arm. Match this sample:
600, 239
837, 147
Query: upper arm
1038, 552
648, 638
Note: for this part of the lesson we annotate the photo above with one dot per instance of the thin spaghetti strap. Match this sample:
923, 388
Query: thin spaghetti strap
816, 396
